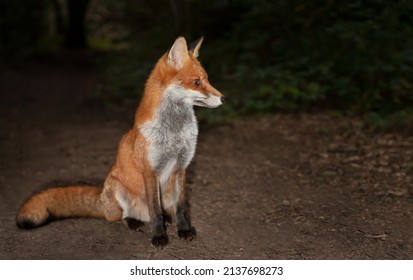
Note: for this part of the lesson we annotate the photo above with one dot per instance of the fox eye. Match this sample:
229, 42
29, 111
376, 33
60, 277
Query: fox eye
196, 82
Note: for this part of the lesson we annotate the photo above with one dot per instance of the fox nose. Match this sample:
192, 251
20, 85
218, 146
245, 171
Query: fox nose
223, 99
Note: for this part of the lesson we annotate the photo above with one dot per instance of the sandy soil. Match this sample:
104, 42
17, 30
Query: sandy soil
277, 187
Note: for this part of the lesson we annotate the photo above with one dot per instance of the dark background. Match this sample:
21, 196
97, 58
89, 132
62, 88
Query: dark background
352, 57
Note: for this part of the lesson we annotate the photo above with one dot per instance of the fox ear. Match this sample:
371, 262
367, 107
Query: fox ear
178, 54
195, 46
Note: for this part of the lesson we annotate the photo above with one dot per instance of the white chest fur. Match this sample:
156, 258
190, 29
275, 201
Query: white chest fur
172, 135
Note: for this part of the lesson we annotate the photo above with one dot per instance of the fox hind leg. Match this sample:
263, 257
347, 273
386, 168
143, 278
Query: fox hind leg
113, 211
134, 224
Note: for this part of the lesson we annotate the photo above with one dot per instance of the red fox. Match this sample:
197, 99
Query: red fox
147, 180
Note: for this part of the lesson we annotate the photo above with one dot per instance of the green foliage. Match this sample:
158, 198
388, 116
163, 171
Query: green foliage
400, 120
355, 56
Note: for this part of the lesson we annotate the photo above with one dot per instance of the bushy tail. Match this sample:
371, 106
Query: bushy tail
59, 203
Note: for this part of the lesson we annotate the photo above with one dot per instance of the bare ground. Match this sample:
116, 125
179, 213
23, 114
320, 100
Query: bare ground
277, 187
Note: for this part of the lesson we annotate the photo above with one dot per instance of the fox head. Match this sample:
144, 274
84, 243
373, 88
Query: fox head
189, 82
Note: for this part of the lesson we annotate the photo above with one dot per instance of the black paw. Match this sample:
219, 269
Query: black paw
159, 241
134, 224
187, 234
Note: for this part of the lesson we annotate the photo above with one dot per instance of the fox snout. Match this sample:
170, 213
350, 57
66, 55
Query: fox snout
211, 99
214, 101
221, 99
216, 98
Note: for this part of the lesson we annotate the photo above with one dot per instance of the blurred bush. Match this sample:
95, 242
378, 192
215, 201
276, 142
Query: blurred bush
353, 56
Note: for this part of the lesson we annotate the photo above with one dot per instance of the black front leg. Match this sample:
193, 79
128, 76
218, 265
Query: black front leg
159, 237
185, 230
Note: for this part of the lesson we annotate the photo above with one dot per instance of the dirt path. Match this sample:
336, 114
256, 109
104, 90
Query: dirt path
279, 187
